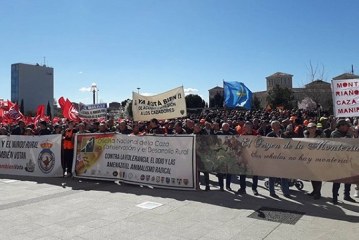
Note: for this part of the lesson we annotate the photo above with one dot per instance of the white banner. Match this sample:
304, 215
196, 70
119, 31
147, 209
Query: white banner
171, 104
92, 111
31, 155
346, 97
161, 161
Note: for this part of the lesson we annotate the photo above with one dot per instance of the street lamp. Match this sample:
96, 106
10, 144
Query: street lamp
94, 90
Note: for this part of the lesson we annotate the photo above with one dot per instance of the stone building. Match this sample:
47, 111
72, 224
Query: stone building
318, 90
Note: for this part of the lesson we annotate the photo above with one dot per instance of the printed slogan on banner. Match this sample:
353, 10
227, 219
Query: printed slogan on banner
171, 104
309, 159
167, 162
31, 155
346, 97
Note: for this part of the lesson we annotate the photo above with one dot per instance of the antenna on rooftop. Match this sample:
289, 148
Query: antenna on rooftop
44, 61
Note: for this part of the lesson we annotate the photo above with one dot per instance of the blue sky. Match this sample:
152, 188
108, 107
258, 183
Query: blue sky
157, 45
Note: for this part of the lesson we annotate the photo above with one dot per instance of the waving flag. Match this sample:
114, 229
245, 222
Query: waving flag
236, 94
68, 110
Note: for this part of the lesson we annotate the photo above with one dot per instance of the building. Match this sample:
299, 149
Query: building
32, 85
318, 90
283, 80
215, 95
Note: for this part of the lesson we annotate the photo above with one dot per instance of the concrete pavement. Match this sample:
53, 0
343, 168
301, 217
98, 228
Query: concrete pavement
63, 208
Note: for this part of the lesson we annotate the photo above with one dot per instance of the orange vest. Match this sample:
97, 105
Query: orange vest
68, 144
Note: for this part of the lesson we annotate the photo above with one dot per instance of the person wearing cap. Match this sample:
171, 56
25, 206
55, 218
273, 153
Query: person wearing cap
341, 131
313, 132
29, 132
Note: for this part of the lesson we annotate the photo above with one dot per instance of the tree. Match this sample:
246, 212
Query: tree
216, 101
48, 110
315, 73
128, 108
22, 106
256, 103
194, 101
124, 102
280, 97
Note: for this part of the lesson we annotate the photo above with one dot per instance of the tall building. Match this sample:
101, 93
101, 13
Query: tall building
33, 85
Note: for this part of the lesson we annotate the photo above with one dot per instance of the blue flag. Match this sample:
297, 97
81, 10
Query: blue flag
236, 94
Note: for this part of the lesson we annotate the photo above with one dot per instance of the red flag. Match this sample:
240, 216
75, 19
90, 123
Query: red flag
56, 120
29, 120
6, 105
40, 111
62, 102
68, 110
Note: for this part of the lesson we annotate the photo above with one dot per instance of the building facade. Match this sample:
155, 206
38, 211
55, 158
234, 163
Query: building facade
318, 90
32, 85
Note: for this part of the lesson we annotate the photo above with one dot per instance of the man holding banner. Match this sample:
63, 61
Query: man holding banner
342, 131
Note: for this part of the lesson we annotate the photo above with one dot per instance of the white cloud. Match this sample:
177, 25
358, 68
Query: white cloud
80, 72
85, 89
188, 91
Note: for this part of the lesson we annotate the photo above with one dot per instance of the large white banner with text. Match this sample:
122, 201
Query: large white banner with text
161, 161
346, 97
171, 104
31, 155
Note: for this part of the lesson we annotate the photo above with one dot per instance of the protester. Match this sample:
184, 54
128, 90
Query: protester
155, 128
341, 131
19, 129
197, 130
224, 131
44, 130
68, 146
248, 130
312, 132
123, 128
284, 183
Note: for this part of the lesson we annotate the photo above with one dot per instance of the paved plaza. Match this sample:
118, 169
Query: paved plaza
65, 208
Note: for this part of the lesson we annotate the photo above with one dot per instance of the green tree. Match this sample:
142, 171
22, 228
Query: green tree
124, 102
280, 97
22, 106
194, 101
256, 103
129, 108
48, 110
217, 101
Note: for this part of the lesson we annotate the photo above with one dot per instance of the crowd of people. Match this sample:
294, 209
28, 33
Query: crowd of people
283, 124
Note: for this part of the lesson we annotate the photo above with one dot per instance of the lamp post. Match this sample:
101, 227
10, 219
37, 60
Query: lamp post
93, 90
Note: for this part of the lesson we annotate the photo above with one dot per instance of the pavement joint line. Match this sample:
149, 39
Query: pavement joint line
272, 231
37, 199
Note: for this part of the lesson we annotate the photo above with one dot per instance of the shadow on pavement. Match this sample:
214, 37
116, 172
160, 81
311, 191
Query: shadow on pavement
300, 202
